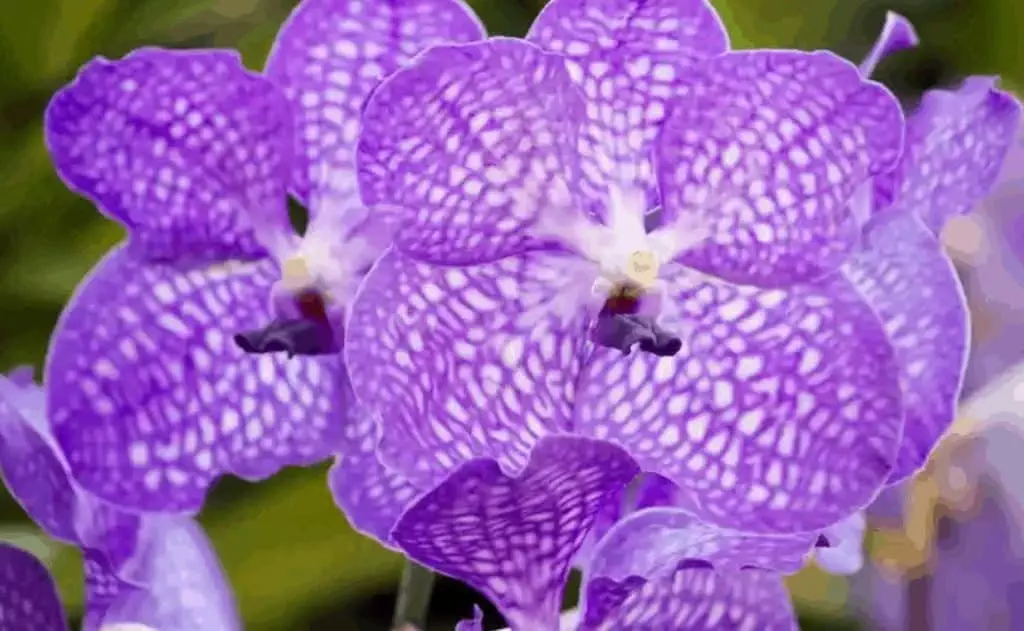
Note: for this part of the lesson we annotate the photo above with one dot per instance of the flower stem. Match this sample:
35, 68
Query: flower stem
413, 597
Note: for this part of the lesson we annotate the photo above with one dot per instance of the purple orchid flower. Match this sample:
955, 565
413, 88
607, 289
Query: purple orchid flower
956, 144
153, 570
150, 397
523, 179
28, 596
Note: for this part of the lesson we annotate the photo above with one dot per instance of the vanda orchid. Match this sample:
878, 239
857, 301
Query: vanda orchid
531, 315
142, 572
149, 396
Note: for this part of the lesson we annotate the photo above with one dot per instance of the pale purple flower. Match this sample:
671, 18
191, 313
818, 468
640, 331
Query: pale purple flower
956, 142
28, 596
523, 179
156, 570
150, 397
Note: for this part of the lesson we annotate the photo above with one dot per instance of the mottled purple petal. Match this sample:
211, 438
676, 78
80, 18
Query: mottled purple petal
912, 285
514, 538
956, 143
150, 399
764, 153
185, 587
629, 57
188, 149
698, 597
370, 495
28, 596
464, 362
897, 34
468, 145
782, 413
844, 553
329, 56
651, 541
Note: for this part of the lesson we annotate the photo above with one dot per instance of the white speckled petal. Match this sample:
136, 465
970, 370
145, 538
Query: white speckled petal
629, 57
370, 495
694, 597
329, 56
469, 145
763, 153
956, 144
912, 285
464, 362
514, 538
187, 149
897, 34
28, 595
151, 400
781, 413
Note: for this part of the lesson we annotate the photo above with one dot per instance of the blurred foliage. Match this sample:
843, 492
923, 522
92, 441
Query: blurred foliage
293, 561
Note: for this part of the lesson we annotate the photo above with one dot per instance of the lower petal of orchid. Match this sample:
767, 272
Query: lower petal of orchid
694, 597
897, 34
184, 585
151, 401
912, 285
651, 541
763, 155
28, 595
465, 363
514, 538
471, 145
956, 144
782, 412
188, 149
370, 495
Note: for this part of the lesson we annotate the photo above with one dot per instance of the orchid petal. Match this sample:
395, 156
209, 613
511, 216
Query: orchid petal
151, 401
187, 149
763, 154
514, 538
28, 595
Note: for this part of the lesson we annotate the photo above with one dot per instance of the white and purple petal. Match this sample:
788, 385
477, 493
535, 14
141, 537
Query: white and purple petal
150, 399
328, 58
514, 538
782, 413
843, 552
469, 146
630, 58
957, 141
187, 149
28, 595
912, 285
465, 362
763, 152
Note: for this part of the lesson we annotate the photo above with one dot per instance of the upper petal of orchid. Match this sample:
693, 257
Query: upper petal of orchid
782, 413
696, 596
956, 144
28, 595
897, 34
470, 145
328, 57
370, 495
912, 285
37, 477
651, 541
630, 58
465, 362
843, 553
763, 155
151, 401
187, 149
185, 587
514, 538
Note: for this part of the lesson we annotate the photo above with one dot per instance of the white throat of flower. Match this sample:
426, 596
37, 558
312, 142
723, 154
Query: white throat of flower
127, 626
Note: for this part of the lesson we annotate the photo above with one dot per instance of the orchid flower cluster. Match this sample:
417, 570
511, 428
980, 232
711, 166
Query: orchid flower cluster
612, 297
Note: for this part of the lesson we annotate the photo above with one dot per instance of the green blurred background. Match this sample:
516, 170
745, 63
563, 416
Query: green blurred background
293, 561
